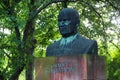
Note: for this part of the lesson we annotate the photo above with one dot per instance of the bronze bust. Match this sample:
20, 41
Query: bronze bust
71, 43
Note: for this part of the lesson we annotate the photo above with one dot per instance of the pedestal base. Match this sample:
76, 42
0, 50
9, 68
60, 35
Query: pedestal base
83, 67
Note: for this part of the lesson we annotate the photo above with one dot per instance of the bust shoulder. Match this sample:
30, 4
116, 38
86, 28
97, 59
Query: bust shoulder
79, 45
51, 48
80, 40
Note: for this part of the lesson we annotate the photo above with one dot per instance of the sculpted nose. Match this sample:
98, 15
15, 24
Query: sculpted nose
61, 23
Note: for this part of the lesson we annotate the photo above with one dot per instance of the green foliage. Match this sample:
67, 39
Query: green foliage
46, 29
113, 62
30, 19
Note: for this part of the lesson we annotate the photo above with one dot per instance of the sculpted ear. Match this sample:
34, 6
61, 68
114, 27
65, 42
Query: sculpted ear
77, 25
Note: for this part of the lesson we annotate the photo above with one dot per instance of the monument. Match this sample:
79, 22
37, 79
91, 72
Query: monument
73, 57
71, 43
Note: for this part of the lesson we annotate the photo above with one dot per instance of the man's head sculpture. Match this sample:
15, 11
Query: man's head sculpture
71, 43
68, 21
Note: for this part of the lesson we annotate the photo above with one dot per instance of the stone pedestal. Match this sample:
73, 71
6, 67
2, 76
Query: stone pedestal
82, 67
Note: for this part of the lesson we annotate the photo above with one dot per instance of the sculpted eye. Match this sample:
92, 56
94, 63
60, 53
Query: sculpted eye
67, 22
64, 19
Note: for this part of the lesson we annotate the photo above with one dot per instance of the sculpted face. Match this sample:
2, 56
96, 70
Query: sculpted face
68, 19
64, 26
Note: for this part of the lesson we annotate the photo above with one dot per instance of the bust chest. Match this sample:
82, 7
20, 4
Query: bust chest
72, 48
77, 46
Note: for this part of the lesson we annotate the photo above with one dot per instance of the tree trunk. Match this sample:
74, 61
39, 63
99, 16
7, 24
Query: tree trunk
16, 74
1, 76
29, 45
30, 69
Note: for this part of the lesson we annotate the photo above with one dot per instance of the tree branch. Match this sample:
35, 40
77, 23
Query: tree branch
7, 55
94, 9
3, 6
1, 76
115, 45
17, 33
116, 8
15, 75
10, 13
47, 4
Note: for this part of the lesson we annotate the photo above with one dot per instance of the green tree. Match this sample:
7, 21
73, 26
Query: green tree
32, 25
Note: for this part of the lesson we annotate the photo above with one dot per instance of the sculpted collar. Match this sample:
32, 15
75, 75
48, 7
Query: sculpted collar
67, 40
